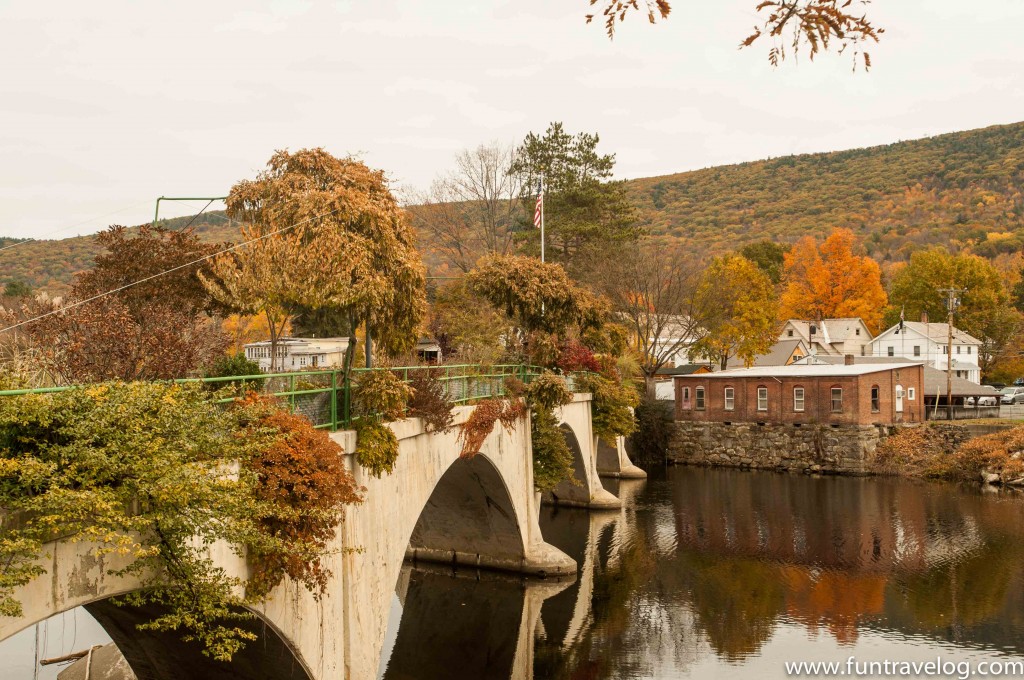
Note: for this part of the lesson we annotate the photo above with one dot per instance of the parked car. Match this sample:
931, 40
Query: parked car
982, 401
1012, 395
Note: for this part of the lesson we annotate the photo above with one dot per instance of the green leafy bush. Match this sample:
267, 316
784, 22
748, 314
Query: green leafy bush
235, 364
552, 458
611, 406
380, 394
157, 472
376, 446
650, 441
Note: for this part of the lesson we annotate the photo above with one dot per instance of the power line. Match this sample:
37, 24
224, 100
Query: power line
166, 271
71, 226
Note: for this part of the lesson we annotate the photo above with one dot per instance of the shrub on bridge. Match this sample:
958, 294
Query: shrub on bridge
552, 459
480, 423
157, 473
380, 394
430, 401
611, 406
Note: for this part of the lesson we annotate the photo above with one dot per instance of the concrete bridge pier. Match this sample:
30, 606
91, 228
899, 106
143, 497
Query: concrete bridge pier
584, 490
613, 461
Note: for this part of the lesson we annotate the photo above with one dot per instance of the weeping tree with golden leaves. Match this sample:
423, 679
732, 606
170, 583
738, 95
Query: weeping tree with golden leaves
812, 25
323, 233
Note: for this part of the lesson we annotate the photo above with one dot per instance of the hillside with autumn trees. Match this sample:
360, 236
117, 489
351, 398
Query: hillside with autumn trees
51, 265
961, 189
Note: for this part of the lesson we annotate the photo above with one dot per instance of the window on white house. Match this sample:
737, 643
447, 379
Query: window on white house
892, 350
968, 349
798, 399
790, 334
730, 398
857, 332
762, 398
837, 400
699, 398
945, 350
917, 350
958, 349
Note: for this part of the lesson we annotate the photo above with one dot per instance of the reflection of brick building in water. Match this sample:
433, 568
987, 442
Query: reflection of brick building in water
835, 523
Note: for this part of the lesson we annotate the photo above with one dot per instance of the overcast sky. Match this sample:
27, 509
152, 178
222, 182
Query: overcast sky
106, 105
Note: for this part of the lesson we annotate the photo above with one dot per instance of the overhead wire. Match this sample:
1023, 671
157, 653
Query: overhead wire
229, 249
70, 226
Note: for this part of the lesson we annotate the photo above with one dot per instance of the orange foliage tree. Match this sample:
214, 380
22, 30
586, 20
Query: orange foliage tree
830, 281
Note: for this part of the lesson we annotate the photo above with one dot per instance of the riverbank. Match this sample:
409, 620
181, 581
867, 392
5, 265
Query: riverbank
974, 452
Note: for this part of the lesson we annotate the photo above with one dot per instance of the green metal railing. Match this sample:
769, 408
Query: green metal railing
325, 397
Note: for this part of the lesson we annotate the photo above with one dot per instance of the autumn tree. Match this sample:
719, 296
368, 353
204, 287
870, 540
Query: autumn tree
471, 211
466, 325
586, 212
323, 233
744, 319
830, 281
16, 288
813, 25
140, 314
769, 256
543, 305
984, 311
655, 291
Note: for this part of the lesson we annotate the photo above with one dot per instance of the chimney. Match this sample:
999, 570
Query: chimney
924, 317
848, 359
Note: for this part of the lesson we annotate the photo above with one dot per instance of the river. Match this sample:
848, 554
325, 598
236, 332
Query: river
712, 574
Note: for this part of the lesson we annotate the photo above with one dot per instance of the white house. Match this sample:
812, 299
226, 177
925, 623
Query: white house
299, 354
677, 337
923, 341
830, 337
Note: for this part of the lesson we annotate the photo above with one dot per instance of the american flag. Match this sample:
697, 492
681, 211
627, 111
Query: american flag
539, 210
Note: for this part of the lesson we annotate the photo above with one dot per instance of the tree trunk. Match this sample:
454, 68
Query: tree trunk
650, 385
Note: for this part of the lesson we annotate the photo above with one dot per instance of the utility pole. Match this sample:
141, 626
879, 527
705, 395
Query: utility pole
952, 302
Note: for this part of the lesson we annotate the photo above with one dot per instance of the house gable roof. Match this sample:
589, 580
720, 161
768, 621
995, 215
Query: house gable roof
936, 332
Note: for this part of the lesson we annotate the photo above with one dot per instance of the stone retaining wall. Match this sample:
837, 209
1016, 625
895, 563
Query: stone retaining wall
845, 449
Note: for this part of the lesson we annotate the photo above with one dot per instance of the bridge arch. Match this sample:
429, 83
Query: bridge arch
585, 490
76, 578
469, 518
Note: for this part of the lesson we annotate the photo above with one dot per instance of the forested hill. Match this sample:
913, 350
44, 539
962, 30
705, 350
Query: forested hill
959, 189
954, 188
51, 265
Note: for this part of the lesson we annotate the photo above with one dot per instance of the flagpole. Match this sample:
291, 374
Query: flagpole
542, 217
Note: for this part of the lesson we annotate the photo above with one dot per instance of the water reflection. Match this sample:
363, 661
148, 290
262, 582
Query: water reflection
466, 624
732, 573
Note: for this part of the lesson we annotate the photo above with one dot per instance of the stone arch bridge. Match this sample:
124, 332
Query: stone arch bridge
435, 507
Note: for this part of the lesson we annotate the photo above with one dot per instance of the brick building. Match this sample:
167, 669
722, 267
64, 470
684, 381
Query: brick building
851, 394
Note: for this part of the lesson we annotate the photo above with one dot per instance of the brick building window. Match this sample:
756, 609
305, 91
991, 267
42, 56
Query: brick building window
837, 400
876, 405
798, 399
762, 398
910, 393
698, 395
730, 398
686, 397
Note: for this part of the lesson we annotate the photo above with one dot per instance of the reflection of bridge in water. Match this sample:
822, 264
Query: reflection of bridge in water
435, 507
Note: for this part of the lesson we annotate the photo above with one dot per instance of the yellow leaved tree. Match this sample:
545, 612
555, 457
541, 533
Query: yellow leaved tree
323, 233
